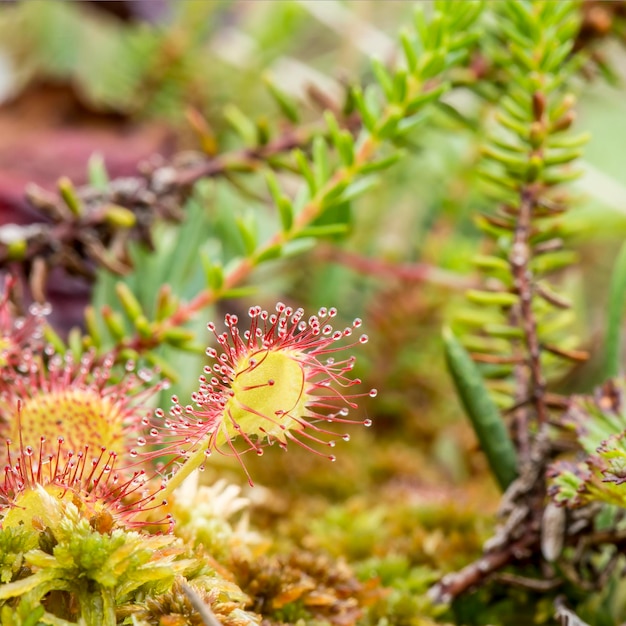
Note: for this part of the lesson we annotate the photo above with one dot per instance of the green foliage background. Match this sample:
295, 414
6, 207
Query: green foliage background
412, 498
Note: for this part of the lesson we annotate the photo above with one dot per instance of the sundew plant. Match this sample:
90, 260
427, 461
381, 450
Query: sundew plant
339, 345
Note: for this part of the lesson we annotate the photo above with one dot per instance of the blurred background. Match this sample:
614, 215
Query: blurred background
126, 80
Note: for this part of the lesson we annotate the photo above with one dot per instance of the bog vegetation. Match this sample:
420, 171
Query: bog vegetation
411, 226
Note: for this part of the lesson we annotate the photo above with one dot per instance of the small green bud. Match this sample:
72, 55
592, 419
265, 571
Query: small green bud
410, 53
565, 106
165, 303
53, 339
564, 122
499, 298
387, 126
167, 371
75, 342
68, 193
534, 169
504, 331
248, 236
128, 354
562, 157
177, 336
241, 123
128, 301
143, 326
537, 134
97, 172
92, 326
16, 250
114, 322
119, 216
321, 161
367, 115
305, 170
488, 262
263, 131
214, 273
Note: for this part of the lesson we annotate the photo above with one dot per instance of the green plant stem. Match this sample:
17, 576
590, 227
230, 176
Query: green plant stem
196, 460
185, 470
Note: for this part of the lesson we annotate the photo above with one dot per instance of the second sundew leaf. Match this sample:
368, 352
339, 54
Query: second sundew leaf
617, 298
482, 411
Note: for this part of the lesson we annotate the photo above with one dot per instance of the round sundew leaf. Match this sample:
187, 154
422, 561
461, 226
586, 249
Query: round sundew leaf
268, 388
